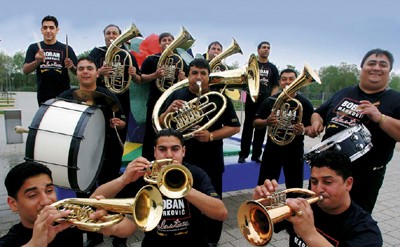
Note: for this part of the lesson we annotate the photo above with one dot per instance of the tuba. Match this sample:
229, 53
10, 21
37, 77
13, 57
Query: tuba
172, 62
216, 63
256, 218
283, 132
194, 111
146, 209
173, 180
118, 82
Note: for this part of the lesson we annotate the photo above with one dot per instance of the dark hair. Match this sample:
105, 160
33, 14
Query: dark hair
21, 172
214, 43
89, 59
163, 35
288, 71
200, 63
335, 160
262, 43
111, 25
50, 18
378, 52
169, 132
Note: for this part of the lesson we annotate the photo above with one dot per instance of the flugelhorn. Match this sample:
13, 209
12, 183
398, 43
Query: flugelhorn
171, 61
146, 208
118, 82
282, 133
173, 180
256, 218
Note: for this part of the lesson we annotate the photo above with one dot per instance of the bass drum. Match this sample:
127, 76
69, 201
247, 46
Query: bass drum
69, 139
354, 141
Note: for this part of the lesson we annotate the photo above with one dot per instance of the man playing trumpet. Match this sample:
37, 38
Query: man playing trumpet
333, 221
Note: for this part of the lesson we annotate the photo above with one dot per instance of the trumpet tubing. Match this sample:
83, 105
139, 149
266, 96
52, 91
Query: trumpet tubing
256, 218
146, 209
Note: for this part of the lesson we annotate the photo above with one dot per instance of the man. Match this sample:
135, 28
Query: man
268, 86
112, 32
376, 106
335, 220
214, 48
87, 74
276, 156
51, 60
182, 223
150, 73
205, 149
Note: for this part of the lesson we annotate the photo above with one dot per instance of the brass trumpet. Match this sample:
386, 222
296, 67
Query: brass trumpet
173, 180
146, 208
256, 218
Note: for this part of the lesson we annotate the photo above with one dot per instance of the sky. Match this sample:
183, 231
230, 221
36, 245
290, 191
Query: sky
317, 32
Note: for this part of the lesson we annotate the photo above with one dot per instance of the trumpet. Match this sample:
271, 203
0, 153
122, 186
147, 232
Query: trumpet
173, 180
256, 218
146, 208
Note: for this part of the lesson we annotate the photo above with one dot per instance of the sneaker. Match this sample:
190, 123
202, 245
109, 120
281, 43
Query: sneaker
241, 159
257, 160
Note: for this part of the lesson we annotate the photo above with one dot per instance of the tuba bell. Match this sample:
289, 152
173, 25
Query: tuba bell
146, 209
283, 132
243, 78
256, 218
216, 64
120, 60
173, 180
171, 61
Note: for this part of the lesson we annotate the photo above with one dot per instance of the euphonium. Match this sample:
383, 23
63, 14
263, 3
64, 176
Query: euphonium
216, 63
146, 209
172, 62
283, 132
256, 218
173, 180
118, 82
242, 78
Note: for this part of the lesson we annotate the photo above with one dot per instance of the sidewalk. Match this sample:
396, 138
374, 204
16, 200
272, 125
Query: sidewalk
386, 212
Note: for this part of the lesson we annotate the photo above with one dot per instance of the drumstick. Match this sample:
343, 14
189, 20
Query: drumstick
66, 46
375, 104
116, 131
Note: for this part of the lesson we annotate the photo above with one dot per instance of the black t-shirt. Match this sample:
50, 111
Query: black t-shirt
52, 76
340, 112
182, 224
207, 155
265, 110
19, 235
269, 78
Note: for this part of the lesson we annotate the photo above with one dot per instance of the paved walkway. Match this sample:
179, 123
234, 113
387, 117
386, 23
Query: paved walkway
386, 212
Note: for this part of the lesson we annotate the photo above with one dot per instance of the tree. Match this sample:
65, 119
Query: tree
334, 78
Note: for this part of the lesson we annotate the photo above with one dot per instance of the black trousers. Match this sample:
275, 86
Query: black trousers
214, 227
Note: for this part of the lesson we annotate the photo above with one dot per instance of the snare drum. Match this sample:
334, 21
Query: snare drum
69, 139
354, 141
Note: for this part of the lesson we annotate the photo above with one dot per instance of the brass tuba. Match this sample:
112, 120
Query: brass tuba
256, 218
173, 180
172, 62
283, 132
242, 78
146, 209
118, 82
216, 63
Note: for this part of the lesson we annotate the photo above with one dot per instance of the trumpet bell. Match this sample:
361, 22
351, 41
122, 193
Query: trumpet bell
175, 181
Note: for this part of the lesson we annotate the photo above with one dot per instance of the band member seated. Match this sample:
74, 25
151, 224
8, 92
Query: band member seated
333, 221
30, 192
182, 223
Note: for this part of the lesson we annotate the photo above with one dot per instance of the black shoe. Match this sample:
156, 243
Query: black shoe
119, 242
212, 244
257, 160
241, 159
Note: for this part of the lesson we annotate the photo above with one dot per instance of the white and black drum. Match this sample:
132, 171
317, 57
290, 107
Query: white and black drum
354, 141
69, 139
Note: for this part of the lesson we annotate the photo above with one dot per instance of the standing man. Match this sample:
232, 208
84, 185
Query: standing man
182, 223
51, 59
275, 156
336, 220
150, 73
205, 149
373, 104
111, 32
268, 86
